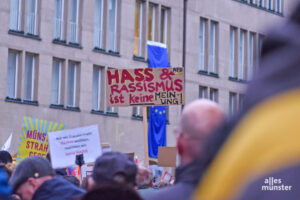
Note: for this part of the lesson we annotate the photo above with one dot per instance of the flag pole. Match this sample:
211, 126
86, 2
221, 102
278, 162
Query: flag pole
145, 125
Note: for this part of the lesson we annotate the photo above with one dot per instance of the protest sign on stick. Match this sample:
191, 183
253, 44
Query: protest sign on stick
34, 137
145, 86
167, 156
65, 145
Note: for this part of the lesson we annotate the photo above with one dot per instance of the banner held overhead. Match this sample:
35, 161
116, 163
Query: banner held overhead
145, 86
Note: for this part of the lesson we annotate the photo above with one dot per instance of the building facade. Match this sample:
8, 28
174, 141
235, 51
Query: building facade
54, 55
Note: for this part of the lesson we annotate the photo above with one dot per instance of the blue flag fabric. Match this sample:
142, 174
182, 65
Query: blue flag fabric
158, 58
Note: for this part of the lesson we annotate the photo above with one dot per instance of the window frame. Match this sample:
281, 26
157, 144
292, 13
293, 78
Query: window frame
59, 92
202, 44
32, 92
98, 30
76, 41
61, 36
28, 24
74, 84
99, 95
115, 19
16, 67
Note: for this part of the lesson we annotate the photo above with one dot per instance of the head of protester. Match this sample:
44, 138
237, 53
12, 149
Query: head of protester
198, 120
112, 191
144, 177
6, 162
34, 179
113, 167
144, 180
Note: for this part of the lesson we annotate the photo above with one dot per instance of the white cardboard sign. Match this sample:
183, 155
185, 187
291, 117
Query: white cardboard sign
65, 145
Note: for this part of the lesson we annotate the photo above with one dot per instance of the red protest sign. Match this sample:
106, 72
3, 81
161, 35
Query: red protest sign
145, 86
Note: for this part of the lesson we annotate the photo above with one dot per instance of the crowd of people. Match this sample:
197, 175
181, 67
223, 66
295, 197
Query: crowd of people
251, 155
115, 175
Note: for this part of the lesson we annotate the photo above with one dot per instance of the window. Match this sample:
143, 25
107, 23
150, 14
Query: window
278, 6
242, 55
56, 82
98, 24
31, 17
233, 53
110, 109
73, 21
202, 92
232, 103
29, 77
212, 47
97, 88
137, 111
213, 95
261, 3
202, 44
112, 26
241, 101
250, 56
164, 25
138, 30
260, 42
152, 22
58, 19
12, 74
72, 84
15, 15
270, 4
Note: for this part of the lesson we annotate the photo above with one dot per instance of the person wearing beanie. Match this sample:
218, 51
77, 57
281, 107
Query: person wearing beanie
113, 167
34, 179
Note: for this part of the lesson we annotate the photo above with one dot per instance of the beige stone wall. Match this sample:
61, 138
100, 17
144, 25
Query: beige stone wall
123, 133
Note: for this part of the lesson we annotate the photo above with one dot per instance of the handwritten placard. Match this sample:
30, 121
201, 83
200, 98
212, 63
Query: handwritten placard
34, 137
145, 86
65, 145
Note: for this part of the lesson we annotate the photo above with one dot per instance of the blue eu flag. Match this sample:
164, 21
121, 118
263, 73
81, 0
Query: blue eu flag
158, 58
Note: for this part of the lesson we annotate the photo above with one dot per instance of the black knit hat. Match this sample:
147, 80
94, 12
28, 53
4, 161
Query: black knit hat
35, 167
5, 157
112, 163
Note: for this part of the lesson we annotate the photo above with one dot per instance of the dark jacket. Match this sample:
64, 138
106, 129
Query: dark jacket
58, 189
184, 186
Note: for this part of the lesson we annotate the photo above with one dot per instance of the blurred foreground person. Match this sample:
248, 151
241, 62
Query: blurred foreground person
257, 154
112, 191
198, 120
34, 179
72, 179
113, 167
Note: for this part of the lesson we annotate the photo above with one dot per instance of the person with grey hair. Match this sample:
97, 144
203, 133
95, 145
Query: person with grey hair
198, 120
144, 179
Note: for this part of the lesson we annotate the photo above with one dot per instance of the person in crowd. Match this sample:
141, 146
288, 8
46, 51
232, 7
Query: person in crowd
5, 157
112, 191
6, 162
144, 180
198, 120
34, 179
5, 190
72, 179
116, 167
84, 183
256, 155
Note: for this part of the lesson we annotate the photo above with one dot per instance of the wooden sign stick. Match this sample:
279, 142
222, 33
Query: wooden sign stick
145, 124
